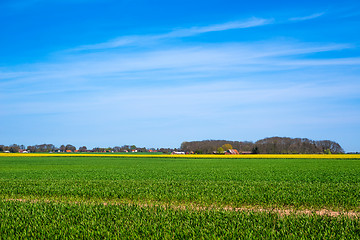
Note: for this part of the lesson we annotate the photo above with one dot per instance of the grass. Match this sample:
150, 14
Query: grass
82, 184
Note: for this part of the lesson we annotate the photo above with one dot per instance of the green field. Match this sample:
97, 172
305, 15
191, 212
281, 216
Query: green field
178, 198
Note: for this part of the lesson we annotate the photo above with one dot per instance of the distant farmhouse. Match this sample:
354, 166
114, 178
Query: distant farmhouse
232, 151
177, 153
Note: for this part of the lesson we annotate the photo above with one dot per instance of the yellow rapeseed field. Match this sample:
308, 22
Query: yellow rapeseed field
317, 156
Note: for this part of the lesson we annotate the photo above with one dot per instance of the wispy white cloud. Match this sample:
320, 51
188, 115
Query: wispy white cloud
312, 16
221, 98
141, 40
253, 22
178, 33
212, 76
323, 62
243, 102
101, 72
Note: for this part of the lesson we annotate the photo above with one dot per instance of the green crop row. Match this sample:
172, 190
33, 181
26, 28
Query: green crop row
26, 220
203, 193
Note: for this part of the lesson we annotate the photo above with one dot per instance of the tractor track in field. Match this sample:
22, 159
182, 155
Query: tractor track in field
194, 207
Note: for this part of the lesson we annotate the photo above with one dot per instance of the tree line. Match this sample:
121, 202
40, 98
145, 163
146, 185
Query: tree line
272, 145
46, 148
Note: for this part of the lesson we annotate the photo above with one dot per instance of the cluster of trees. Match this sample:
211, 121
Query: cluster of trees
224, 148
37, 148
129, 148
12, 148
41, 148
276, 145
296, 145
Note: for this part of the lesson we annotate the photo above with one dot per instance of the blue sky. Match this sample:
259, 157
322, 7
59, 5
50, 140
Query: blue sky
157, 73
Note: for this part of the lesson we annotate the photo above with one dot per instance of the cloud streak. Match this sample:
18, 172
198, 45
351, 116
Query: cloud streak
178, 33
253, 22
138, 40
174, 62
220, 96
89, 73
211, 76
309, 17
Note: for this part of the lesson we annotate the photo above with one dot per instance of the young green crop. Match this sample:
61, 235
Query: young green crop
281, 183
111, 197
41, 220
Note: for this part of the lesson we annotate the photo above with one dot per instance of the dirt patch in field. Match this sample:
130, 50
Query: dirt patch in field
284, 212
281, 212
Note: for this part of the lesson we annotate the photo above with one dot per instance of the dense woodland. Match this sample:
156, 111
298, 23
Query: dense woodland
279, 145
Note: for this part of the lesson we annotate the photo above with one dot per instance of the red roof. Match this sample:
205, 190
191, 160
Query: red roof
232, 151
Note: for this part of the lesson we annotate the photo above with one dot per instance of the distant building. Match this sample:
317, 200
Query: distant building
178, 153
246, 152
232, 151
